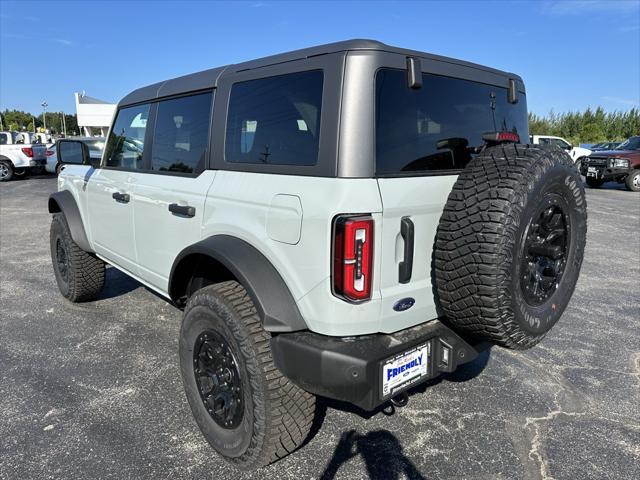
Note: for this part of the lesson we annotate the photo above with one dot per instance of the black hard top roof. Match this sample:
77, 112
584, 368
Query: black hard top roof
209, 78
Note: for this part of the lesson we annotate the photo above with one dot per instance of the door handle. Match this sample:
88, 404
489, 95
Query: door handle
405, 267
120, 197
184, 210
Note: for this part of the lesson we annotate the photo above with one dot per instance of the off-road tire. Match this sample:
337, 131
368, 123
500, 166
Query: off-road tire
7, 170
481, 237
80, 275
594, 182
633, 181
277, 415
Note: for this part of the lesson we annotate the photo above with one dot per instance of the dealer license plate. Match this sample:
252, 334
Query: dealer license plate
405, 369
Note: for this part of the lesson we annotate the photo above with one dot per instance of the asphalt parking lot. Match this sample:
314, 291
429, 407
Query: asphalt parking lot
94, 390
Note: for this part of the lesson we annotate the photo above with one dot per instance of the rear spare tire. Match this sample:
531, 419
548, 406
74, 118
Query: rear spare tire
510, 243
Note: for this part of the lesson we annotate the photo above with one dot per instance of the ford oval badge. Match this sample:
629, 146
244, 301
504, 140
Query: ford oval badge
404, 304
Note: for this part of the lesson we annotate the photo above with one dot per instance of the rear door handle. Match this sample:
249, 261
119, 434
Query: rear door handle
405, 267
184, 210
120, 197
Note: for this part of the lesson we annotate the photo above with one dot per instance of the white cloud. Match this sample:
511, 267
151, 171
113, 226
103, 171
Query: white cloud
584, 7
622, 101
62, 41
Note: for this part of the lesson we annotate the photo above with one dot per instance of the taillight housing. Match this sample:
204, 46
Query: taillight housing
49, 153
28, 151
501, 137
353, 257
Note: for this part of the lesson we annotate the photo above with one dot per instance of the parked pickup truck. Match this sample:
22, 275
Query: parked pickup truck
18, 154
577, 154
621, 165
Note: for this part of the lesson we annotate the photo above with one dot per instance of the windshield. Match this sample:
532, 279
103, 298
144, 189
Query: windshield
439, 126
632, 144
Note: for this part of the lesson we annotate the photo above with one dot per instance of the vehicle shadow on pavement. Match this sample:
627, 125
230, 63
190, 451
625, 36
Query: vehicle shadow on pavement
380, 449
116, 284
381, 452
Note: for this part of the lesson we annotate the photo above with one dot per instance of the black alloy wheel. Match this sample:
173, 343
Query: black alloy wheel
62, 260
218, 379
545, 250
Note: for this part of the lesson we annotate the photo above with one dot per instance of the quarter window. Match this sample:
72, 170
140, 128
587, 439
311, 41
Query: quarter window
181, 134
275, 120
126, 140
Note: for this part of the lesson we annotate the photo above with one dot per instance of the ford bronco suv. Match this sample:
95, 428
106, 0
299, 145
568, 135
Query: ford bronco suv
348, 221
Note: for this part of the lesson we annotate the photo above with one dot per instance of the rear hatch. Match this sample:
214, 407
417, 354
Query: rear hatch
424, 137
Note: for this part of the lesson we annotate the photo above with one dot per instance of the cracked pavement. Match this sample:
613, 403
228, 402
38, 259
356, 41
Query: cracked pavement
94, 390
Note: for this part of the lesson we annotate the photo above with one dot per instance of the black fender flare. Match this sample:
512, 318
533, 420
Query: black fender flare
64, 202
273, 300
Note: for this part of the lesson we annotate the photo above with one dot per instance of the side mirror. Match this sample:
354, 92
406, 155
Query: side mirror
73, 152
568, 147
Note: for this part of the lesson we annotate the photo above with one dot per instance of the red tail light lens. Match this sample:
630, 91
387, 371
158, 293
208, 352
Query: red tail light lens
499, 137
28, 151
353, 257
49, 153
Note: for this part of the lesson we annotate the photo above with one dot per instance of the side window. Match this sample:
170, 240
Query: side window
3, 139
125, 145
544, 141
560, 143
275, 120
181, 134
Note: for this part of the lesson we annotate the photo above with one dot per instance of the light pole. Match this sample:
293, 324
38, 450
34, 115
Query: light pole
44, 114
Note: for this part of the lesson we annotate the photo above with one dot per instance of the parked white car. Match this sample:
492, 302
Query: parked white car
18, 154
95, 144
576, 153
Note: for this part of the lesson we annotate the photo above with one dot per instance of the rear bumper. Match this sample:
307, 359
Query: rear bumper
351, 368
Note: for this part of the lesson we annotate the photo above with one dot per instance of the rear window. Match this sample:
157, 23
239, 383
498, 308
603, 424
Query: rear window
275, 120
438, 127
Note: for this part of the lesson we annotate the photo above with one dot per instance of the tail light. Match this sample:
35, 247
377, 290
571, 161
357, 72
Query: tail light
353, 257
28, 151
49, 153
501, 137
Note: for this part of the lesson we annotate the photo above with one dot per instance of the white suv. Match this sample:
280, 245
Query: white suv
348, 220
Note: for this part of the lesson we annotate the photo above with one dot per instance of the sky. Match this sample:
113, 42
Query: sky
571, 54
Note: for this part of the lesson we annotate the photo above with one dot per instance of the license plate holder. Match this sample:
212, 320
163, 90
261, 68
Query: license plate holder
405, 369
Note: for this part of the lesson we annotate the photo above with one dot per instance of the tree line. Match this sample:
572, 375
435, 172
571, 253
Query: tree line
590, 126
17, 120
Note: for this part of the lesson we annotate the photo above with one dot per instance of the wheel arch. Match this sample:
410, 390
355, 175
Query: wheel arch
4, 158
63, 202
223, 257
